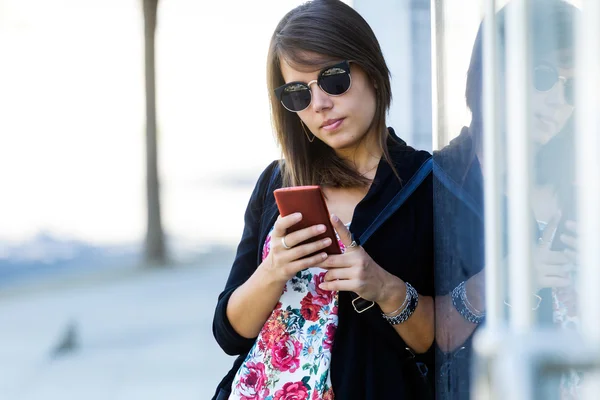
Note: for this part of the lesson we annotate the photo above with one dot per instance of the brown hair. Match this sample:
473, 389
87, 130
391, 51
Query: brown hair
313, 36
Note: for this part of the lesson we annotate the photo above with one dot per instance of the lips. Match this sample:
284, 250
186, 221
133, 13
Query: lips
332, 123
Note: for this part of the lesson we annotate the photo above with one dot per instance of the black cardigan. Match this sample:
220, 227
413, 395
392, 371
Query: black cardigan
367, 357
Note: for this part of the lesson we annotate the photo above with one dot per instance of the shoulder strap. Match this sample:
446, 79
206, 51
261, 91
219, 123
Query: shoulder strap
456, 189
399, 199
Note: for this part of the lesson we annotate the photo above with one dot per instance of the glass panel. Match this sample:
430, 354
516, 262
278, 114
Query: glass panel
547, 100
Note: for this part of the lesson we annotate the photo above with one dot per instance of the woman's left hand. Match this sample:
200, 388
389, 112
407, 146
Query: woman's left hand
355, 270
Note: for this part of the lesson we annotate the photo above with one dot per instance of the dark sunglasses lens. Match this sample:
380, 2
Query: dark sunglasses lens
544, 78
335, 81
296, 97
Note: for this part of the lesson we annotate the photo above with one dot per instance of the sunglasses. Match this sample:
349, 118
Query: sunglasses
334, 80
545, 77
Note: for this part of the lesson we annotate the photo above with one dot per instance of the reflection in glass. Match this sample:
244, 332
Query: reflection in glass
459, 201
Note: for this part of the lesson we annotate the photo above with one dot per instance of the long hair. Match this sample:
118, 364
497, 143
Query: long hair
331, 30
552, 23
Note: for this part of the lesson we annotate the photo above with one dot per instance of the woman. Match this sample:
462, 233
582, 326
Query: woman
458, 188
338, 325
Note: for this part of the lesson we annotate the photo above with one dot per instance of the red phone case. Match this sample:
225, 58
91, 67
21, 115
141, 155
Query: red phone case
309, 201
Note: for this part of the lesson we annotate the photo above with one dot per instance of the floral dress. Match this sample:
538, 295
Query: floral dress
565, 315
291, 357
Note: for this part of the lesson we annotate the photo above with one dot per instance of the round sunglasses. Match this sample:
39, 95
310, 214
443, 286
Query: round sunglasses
334, 80
545, 77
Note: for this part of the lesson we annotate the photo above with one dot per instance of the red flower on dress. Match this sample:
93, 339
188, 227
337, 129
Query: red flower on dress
285, 354
320, 296
329, 335
252, 384
310, 309
273, 330
292, 391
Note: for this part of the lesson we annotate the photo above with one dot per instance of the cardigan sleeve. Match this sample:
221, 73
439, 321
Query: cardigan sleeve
244, 265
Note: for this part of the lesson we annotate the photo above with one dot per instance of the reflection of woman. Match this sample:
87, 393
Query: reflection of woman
292, 321
458, 190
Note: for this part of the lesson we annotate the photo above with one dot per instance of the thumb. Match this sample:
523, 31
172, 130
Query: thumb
342, 230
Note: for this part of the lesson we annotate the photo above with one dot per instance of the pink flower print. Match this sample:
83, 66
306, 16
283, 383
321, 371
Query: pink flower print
266, 247
285, 355
252, 382
292, 391
310, 309
329, 335
321, 297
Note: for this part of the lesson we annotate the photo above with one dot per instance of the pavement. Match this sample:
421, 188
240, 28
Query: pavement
143, 334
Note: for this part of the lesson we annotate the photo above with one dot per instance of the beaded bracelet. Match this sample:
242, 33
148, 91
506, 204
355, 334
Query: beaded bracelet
409, 306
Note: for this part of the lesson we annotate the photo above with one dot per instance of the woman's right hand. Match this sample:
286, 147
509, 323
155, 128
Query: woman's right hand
283, 264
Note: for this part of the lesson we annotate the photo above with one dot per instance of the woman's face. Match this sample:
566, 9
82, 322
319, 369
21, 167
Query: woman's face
339, 121
552, 99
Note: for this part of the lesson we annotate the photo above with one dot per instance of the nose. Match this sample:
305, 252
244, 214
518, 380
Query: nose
320, 100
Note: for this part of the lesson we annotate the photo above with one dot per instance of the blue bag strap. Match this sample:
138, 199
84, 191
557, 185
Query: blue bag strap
399, 199
456, 190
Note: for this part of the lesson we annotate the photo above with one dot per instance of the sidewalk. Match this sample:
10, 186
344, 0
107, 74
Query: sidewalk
145, 336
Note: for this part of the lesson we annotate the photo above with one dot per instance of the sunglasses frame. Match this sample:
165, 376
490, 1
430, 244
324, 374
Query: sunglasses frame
344, 65
559, 78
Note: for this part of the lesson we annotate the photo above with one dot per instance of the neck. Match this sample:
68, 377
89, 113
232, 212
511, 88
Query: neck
365, 156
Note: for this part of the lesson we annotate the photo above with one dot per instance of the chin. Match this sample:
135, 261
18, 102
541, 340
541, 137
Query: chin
342, 140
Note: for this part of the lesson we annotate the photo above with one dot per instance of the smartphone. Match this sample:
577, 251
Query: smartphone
309, 201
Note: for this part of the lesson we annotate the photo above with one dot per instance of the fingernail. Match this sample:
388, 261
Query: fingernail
321, 228
322, 286
327, 241
335, 218
298, 216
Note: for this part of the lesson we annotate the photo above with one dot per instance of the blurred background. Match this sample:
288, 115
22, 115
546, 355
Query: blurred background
125, 176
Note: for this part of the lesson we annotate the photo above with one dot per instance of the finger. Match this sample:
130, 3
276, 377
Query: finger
554, 258
339, 274
571, 226
572, 256
299, 236
302, 264
342, 230
346, 285
301, 251
554, 282
283, 223
336, 261
569, 241
556, 270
